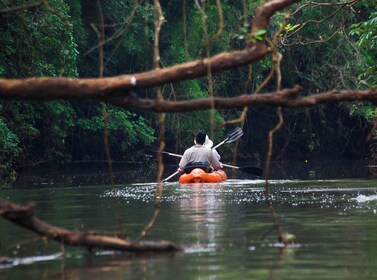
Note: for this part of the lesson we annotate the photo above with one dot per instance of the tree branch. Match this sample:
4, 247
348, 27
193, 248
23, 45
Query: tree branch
23, 215
284, 98
118, 90
23, 7
58, 88
105, 89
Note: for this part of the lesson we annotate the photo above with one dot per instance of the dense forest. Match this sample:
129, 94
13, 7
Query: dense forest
323, 47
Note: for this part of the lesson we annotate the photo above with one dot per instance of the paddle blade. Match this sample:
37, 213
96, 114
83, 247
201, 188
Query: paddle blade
234, 135
252, 170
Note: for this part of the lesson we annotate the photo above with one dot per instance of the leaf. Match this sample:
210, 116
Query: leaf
289, 27
260, 32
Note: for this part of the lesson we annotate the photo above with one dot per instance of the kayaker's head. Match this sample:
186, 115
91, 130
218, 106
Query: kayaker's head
200, 138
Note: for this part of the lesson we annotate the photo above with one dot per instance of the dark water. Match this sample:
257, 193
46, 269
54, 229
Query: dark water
330, 209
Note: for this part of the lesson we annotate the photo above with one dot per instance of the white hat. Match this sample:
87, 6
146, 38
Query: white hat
208, 142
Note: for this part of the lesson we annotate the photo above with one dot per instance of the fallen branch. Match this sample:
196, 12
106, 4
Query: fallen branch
23, 215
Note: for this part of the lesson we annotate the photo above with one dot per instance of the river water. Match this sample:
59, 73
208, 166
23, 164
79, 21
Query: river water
223, 228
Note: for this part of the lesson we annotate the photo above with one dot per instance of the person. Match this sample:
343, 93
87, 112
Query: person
200, 155
208, 143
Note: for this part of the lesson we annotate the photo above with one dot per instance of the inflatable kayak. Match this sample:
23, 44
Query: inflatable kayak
198, 175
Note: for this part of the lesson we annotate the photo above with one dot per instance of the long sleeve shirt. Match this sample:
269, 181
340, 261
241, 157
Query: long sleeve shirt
200, 153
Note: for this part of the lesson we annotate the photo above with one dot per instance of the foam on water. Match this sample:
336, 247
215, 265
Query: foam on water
365, 198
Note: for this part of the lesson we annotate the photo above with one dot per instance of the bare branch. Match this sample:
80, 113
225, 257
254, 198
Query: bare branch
319, 4
23, 215
42, 3
23, 7
158, 21
39, 88
108, 88
78, 90
304, 24
266, 11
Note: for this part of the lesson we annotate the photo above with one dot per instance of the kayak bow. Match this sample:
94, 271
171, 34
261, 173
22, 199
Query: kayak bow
198, 175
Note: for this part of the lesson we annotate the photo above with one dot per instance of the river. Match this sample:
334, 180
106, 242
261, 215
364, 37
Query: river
330, 208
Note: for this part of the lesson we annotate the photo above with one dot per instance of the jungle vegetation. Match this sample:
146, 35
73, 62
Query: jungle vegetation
323, 47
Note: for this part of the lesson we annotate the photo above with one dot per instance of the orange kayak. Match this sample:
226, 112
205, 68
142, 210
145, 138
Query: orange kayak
198, 175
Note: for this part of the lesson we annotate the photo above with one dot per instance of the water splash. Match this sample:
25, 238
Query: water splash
364, 198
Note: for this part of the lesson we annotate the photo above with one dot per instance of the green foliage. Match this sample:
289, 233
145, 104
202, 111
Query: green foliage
125, 127
366, 110
129, 37
366, 34
37, 42
365, 31
290, 28
9, 149
258, 36
41, 43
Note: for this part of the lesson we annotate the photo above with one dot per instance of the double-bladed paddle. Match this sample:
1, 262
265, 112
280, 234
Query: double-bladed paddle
253, 170
234, 135
231, 137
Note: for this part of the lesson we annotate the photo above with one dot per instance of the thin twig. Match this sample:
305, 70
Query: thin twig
159, 20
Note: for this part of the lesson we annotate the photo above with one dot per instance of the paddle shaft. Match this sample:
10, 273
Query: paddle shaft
230, 166
248, 169
218, 145
177, 155
171, 176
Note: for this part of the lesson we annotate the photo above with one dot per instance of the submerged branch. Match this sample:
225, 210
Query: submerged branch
23, 215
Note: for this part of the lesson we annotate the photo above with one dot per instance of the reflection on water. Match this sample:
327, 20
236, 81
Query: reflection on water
11, 262
220, 226
203, 208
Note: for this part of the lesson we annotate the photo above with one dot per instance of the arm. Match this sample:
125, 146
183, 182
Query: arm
216, 154
184, 160
214, 160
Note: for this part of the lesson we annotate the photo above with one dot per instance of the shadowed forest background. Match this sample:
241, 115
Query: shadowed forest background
334, 49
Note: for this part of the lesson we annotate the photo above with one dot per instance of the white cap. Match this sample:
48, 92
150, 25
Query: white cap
208, 142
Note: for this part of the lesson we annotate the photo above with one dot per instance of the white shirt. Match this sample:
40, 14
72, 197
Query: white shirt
200, 153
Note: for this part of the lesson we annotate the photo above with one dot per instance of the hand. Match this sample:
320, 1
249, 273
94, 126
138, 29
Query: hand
180, 169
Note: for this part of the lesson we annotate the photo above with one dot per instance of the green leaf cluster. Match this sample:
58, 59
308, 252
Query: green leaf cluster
365, 32
258, 36
38, 42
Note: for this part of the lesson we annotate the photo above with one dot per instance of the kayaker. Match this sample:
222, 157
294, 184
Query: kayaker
200, 155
